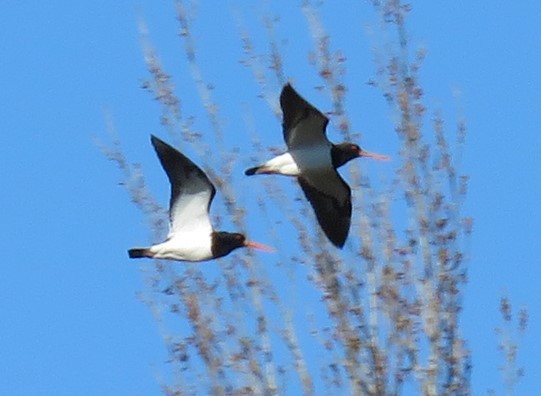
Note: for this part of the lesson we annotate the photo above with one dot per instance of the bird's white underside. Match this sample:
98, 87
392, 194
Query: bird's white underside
184, 246
282, 164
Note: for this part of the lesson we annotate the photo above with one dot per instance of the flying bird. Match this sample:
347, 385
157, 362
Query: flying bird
191, 236
313, 159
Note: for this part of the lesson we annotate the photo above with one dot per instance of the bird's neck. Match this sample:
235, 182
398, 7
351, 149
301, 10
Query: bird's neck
337, 157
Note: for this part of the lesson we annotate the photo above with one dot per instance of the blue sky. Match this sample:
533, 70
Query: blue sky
71, 319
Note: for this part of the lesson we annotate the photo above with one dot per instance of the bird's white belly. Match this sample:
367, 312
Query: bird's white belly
300, 160
184, 247
283, 164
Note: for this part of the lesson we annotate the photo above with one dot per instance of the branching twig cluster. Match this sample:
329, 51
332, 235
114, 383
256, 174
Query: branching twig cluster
381, 316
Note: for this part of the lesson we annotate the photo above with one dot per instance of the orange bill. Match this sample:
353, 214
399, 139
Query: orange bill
368, 154
259, 246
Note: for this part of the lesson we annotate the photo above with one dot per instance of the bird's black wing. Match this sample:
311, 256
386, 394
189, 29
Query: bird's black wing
333, 211
303, 124
191, 190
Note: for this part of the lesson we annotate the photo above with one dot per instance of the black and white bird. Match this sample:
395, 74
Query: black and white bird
191, 236
313, 159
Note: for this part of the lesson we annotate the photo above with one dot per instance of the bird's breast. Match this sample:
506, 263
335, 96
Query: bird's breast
184, 247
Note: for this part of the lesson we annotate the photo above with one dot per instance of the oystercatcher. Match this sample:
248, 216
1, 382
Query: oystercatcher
313, 159
191, 236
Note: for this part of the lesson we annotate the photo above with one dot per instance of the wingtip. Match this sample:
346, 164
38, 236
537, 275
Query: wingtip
288, 88
339, 245
160, 146
337, 240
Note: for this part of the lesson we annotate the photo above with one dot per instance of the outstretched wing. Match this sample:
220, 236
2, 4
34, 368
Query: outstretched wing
303, 124
332, 204
191, 191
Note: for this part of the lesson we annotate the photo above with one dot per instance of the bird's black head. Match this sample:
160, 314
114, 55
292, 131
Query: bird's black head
344, 152
224, 243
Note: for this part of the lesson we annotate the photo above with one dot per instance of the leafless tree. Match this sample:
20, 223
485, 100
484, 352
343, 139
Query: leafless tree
380, 317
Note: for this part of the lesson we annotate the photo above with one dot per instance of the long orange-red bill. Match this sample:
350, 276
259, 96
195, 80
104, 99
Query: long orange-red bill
260, 246
380, 157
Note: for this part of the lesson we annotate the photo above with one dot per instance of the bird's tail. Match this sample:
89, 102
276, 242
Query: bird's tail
139, 253
251, 171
